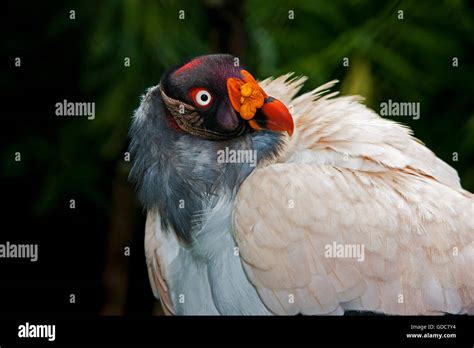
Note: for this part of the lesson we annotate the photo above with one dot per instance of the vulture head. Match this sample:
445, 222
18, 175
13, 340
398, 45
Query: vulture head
198, 134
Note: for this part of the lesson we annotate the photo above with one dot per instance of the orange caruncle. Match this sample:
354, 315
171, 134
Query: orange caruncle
245, 95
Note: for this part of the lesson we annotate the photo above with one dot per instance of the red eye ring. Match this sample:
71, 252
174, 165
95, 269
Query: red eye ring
201, 97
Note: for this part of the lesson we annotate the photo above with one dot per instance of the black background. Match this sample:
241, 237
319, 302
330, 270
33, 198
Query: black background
71, 242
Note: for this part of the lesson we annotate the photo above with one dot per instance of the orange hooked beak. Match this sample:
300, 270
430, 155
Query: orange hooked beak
247, 98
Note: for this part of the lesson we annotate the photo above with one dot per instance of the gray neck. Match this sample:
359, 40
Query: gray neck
180, 174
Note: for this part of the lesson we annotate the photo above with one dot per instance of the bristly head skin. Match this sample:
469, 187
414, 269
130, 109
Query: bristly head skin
208, 73
175, 171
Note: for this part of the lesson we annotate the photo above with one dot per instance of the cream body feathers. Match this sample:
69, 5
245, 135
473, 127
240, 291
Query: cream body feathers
346, 176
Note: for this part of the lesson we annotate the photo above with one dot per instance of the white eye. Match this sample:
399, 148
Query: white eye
202, 97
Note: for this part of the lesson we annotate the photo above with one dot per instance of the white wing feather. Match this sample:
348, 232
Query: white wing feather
352, 178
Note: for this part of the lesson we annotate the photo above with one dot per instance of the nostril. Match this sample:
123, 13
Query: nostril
226, 117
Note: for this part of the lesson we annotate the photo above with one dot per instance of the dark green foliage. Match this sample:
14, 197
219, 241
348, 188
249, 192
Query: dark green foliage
404, 60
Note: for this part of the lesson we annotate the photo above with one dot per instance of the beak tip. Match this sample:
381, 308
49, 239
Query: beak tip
277, 116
